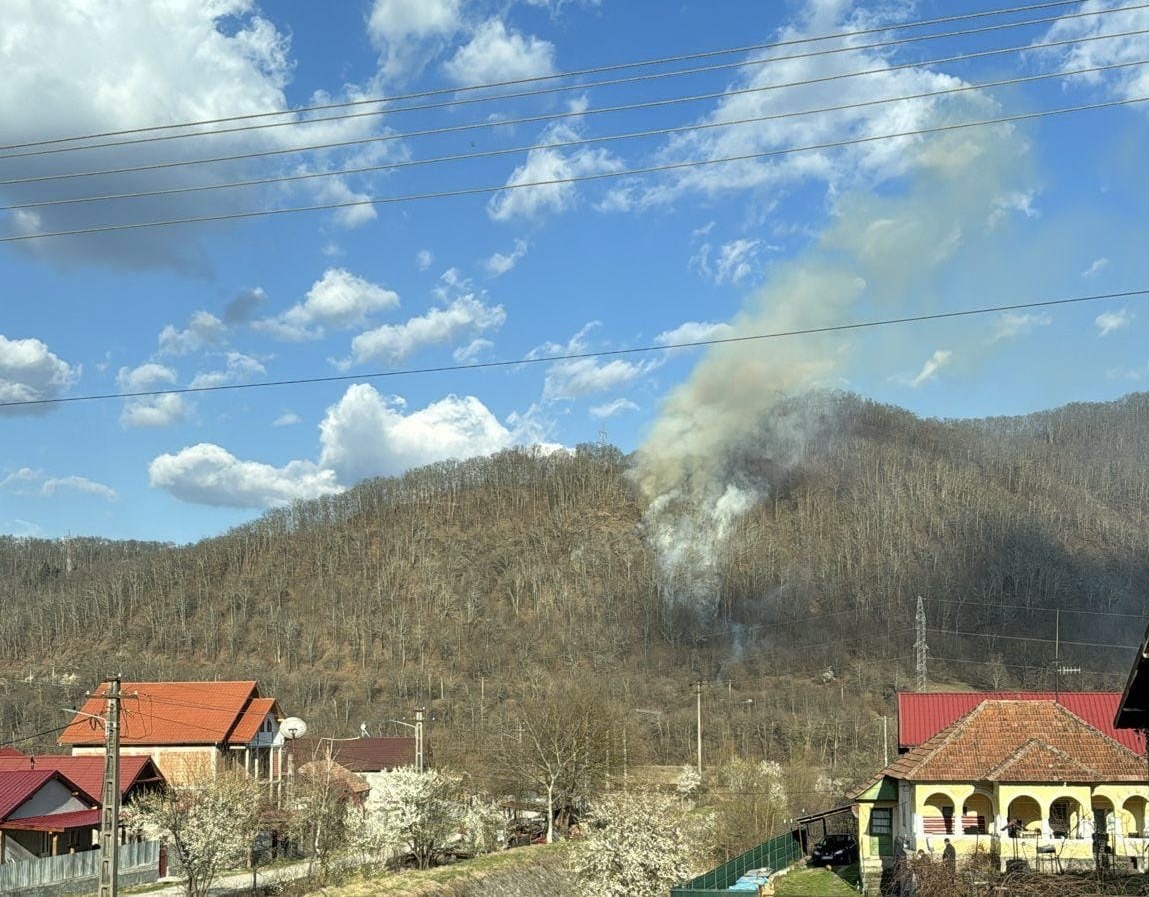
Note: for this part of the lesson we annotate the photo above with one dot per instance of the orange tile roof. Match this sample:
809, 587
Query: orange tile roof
1019, 741
167, 713
251, 721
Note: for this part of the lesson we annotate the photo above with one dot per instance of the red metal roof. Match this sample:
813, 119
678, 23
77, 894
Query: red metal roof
921, 715
1019, 741
18, 786
87, 772
54, 822
167, 713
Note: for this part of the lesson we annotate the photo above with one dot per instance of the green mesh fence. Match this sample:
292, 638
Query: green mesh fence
777, 853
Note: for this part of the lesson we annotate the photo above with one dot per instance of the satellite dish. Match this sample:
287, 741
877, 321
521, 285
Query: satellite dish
293, 727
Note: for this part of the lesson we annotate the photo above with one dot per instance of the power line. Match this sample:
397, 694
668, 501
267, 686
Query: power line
566, 144
608, 68
574, 356
554, 116
598, 176
1021, 666
1037, 609
1030, 638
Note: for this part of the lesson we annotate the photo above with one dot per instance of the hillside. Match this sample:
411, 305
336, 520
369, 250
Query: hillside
462, 586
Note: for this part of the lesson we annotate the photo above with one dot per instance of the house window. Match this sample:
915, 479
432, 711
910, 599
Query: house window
881, 821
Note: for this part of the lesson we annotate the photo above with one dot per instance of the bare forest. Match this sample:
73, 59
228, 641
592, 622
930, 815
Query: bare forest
475, 588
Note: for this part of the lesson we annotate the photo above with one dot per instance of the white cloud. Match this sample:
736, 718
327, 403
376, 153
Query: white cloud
408, 32
73, 67
240, 368
393, 343
499, 264
78, 484
204, 329
338, 299
20, 480
206, 474
1096, 267
146, 377
366, 434
736, 261
573, 378
929, 370
1112, 321
495, 54
423, 259
610, 409
552, 170
472, 350
1012, 324
29, 372
694, 332
1125, 83
154, 411
752, 97
287, 419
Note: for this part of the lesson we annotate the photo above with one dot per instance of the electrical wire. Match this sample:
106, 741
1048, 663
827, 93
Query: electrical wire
566, 144
575, 356
614, 67
577, 179
1020, 666
1030, 638
1038, 609
554, 116
56, 731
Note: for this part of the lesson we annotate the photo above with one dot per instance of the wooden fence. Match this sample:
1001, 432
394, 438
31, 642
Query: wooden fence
48, 871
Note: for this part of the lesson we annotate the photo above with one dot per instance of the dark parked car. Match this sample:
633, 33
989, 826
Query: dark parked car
835, 850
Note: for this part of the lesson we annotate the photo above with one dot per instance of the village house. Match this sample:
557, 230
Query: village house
1010, 781
44, 814
190, 730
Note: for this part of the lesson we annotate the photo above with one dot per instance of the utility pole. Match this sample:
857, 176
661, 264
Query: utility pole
419, 740
920, 647
110, 798
885, 742
1058, 669
698, 695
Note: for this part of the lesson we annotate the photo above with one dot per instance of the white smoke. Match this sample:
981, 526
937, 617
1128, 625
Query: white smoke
881, 255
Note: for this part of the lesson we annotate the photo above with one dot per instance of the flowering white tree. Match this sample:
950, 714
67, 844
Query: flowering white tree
418, 812
211, 823
688, 782
638, 845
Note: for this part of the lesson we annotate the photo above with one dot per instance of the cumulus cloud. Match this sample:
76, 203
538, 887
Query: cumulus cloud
204, 329
29, 372
1130, 46
407, 31
392, 343
242, 308
287, 419
552, 171
135, 64
150, 411
366, 434
207, 474
500, 263
1112, 321
338, 299
496, 54
423, 259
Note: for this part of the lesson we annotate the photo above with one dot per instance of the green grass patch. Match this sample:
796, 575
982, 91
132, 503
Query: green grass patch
817, 883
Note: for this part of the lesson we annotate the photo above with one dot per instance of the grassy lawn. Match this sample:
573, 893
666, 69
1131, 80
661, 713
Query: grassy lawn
817, 883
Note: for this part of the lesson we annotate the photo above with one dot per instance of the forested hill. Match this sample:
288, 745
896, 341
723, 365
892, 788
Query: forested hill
463, 585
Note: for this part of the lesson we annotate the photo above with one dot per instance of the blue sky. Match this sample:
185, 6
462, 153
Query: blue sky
598, 260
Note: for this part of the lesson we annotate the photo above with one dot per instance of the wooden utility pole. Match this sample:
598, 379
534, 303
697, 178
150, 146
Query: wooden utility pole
698, 695
110, 798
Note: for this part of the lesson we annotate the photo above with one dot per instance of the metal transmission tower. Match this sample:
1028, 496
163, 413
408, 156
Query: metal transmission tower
110, 798
920, 647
